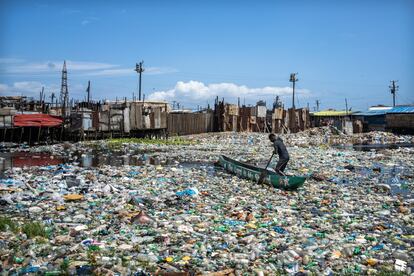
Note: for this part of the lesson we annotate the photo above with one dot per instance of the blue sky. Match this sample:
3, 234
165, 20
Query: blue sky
196, 50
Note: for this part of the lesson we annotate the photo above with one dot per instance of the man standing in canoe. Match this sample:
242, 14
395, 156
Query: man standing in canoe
279, 149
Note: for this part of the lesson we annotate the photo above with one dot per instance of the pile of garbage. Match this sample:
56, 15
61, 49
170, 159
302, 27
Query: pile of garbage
185, 216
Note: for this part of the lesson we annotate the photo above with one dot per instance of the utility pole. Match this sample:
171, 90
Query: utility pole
89, 91
52, 97
317, 105
393, 89
293, 79
41, 98
346, 106
139, 69
41, 95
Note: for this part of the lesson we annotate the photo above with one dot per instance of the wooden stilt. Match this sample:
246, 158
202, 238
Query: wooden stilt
21, 134
30, 136
38, 135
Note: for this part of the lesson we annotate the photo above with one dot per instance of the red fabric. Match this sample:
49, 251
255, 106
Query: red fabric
37, 120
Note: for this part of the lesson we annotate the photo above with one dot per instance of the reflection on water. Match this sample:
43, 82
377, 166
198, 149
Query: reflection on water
87, 160
360, 147
397, 176
97, 158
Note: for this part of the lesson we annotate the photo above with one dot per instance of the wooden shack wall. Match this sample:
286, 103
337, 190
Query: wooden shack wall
104, 120
95, 120
6, 121
190, 123
117, 120
143, 118
400, 120
231, 109
126, 120
158, 118
135, 117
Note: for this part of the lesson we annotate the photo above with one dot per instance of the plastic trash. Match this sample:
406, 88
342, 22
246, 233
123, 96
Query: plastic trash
188, 192
142, 208
400, 265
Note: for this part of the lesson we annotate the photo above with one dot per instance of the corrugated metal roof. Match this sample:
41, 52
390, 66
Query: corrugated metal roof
397, 109
328, 113
402, 109
371, 113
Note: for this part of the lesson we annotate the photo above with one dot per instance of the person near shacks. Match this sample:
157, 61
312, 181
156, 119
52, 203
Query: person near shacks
281, 151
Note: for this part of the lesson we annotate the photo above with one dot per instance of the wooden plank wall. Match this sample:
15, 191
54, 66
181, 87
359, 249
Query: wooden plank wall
400, 120
190, 123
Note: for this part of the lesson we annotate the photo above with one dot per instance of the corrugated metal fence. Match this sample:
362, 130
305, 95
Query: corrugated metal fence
190, 123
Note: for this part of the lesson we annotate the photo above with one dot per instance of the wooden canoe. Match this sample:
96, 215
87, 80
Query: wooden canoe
247, 171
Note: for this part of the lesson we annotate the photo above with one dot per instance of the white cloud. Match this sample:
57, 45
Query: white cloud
88, 20
33, 88
85, 66
112, 72
195, 92
51, 66
71, 11
20, 66
27, 88
10, 60
159, 70
131, 71
3, 88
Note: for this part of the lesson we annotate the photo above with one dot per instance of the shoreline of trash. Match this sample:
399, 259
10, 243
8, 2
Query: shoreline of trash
353, 215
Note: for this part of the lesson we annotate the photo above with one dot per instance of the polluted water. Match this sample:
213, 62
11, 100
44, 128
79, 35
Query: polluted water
133, 208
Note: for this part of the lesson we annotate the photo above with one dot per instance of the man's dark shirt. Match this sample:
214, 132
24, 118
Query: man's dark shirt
280, 148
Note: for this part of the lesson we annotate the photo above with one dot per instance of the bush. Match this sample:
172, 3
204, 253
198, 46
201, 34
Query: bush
7, 224
34, 229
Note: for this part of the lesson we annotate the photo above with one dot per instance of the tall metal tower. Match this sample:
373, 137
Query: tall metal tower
64, 93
